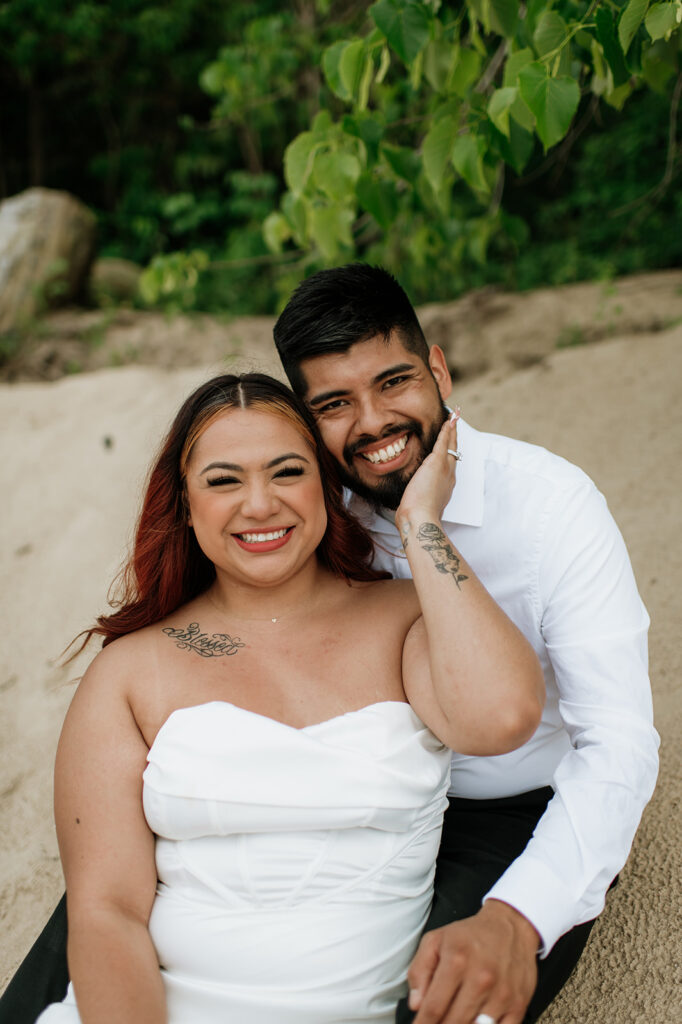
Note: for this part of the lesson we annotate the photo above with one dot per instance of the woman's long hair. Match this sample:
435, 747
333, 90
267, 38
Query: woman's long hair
167, 568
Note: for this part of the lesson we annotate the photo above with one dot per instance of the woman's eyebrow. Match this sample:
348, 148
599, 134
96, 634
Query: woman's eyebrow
240, 469
283, 458
222, 465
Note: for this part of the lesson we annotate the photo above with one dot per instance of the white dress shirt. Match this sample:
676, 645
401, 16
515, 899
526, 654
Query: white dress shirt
540, 537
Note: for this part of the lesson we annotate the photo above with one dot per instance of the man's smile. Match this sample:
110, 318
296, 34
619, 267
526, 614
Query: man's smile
387, 453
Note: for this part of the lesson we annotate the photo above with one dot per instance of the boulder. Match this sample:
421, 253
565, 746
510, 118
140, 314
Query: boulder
113, 280
47, 242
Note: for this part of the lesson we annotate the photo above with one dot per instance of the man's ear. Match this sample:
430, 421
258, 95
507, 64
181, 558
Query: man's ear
439, 369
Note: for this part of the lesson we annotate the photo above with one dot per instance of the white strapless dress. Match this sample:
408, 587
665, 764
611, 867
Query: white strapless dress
295, 866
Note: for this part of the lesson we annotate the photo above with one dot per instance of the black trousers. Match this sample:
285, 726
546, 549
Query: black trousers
480, 839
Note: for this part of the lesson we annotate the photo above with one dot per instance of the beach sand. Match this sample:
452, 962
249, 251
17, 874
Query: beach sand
74, 456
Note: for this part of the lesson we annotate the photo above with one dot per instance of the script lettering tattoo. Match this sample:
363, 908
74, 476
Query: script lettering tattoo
214, 646
433, 540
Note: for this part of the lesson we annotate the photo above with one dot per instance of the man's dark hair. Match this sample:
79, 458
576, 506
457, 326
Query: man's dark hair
336, 308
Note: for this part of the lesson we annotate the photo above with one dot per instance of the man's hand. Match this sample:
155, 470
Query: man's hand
482, 964
429, 490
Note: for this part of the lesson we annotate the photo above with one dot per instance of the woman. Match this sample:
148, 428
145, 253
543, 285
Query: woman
243, 793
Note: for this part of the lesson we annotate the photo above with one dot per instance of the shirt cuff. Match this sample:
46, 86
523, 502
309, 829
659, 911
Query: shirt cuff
533, 889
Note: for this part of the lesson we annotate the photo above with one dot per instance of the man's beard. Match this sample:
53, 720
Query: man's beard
388, 490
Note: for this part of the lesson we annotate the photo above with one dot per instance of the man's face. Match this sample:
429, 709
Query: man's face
379, 408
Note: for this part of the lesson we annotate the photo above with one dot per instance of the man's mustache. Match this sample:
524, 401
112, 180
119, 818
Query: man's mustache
409, 427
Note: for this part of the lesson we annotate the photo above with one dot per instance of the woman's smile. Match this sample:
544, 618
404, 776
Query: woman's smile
264, 541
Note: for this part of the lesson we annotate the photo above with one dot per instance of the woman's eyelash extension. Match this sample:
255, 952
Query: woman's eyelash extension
222, 480
291, 471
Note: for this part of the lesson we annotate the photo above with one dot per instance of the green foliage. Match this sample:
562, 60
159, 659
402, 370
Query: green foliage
475, 93
236, 148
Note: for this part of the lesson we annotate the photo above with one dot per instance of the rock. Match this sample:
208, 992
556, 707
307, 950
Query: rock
113, 280
46, 246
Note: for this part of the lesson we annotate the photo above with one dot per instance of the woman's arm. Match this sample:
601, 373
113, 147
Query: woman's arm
107, 851
467, 670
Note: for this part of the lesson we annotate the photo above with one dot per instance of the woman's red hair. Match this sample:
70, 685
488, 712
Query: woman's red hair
167, 567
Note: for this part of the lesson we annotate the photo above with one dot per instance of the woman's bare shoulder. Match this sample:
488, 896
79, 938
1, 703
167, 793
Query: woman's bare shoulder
391, 595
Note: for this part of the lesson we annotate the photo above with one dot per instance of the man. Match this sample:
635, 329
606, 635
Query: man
539, 536
532, 840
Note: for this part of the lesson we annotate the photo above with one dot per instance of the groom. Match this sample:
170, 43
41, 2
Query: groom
532, 840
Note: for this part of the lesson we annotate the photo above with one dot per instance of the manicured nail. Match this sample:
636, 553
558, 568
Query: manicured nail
455, 415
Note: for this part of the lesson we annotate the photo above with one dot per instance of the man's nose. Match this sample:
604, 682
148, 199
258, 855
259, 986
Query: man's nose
372, 418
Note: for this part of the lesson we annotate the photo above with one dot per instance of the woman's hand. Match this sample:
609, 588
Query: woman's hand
430, 489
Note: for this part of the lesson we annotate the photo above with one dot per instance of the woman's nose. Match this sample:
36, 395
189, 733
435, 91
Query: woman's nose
259, 501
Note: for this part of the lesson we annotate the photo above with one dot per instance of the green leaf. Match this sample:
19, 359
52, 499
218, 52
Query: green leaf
607, 36
351, 66
504, 17
661, 20
553, 101
380, 198
368, 127
617, 97
521, 145
212, 78
276, 231
468, 160
406, 25
295, 209
322, 122
499, 106
630, 20
437, 147
466, 70
330, 228
550, 33
514, 63
439, 61
331, 59
404, 162
519, 111
365, 83
335, 174
656, 71
298, 160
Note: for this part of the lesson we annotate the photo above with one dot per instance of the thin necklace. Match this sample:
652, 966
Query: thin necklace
221, 611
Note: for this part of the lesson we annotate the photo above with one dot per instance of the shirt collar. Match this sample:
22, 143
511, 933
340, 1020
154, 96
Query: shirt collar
465, 506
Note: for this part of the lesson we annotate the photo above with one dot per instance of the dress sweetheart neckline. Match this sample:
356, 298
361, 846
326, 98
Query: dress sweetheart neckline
276, 721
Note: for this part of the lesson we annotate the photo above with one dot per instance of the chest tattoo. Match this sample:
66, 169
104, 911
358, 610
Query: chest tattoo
215, 645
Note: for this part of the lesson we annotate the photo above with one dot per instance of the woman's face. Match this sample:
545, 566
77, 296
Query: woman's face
255, 496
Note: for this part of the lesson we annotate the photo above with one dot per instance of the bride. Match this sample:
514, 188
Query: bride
251, 777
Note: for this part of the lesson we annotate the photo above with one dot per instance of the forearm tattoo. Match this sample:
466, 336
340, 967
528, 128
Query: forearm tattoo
404, 534
433, 540
214, 646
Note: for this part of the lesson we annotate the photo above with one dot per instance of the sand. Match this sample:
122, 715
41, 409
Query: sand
74, 456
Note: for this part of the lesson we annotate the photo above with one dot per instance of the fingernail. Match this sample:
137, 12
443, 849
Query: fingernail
414, 999
455, 415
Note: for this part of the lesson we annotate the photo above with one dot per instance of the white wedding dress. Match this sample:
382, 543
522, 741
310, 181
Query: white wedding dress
295, 865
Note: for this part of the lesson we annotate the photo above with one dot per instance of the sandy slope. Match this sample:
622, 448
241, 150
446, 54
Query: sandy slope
74, 455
